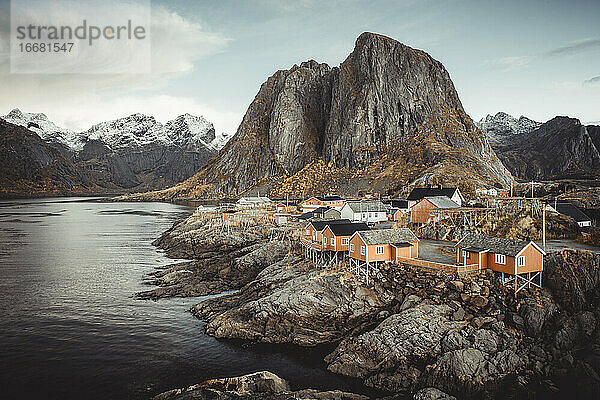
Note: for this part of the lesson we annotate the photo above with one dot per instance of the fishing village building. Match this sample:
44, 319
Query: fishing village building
452, 193
286, 207
523, 261
369, 211
432, 208
312, 203
369, 248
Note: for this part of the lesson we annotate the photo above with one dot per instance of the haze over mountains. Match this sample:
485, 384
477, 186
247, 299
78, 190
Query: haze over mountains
135, 153
560, 148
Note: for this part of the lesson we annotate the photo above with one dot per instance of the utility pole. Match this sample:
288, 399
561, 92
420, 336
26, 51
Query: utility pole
511, 188
544, 226
532, 189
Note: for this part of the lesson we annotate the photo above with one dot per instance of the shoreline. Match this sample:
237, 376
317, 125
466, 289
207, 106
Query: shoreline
270, 282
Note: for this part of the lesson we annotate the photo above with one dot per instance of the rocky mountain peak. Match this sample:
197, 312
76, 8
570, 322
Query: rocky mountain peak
500, 127
386, 101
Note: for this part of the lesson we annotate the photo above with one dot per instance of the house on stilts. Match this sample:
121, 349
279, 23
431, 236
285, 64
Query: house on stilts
368, 249
520, 262
326, 241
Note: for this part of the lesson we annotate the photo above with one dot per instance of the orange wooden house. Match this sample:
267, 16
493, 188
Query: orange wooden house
385, 245
520, 259
422, 211
336, 237
313, 232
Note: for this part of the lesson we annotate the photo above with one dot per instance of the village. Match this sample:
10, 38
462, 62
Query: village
360, 234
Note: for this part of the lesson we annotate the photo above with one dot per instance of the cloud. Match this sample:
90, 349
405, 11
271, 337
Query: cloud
571, 49
77, 101
578, 47
592, 81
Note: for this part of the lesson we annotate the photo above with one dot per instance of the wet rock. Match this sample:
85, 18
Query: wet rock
262, 385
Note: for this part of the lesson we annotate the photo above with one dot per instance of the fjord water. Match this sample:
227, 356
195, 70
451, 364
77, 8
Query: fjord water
71, 328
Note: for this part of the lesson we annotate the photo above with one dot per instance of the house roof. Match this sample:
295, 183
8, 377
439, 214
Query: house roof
329, 198
348, 229
419, 193
387, 236
293, 204
569, 209
399, 203
321, 224
442, 202
367, 206
494, 245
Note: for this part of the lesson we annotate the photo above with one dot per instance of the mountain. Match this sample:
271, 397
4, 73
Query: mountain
30, 166
559, 148
135, 153
387, 117
39, 123
500, 127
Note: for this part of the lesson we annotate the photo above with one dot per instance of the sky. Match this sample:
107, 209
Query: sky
534, 58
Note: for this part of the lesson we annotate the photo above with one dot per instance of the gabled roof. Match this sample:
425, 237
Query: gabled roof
321, 224
387, 236
569, 209
494, 245
367, 206
347, 229
292, 204
442, 202
419, 193
321, 210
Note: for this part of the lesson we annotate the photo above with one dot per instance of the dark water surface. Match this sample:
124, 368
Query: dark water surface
70, 327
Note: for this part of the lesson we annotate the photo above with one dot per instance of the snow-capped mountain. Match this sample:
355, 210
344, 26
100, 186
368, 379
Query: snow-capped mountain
498, 127
46, 129
136, 152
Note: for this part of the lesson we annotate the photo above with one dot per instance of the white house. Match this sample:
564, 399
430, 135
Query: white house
369, 211
254, 201
486, 192
569, 209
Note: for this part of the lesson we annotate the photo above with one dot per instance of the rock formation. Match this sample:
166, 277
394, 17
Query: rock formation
388, 116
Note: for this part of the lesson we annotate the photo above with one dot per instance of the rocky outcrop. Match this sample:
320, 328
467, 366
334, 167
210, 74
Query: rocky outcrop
388, 116
559, 148
311, 307
413, 329
262, 385
221, 261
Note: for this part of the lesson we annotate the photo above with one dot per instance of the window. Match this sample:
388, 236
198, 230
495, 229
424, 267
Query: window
344, 241
324, 241
465, 254
362, 250
500, 259
352, 247
333, 241
379, 250
314, 235
521, 261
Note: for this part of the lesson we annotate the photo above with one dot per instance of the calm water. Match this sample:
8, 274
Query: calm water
70, 327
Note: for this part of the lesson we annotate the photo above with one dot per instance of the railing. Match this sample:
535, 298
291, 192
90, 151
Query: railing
439, 266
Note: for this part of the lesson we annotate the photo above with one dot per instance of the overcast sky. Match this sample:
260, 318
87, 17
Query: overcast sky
534, 58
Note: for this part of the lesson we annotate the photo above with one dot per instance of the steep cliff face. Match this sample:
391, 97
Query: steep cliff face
559, 148
388, 116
